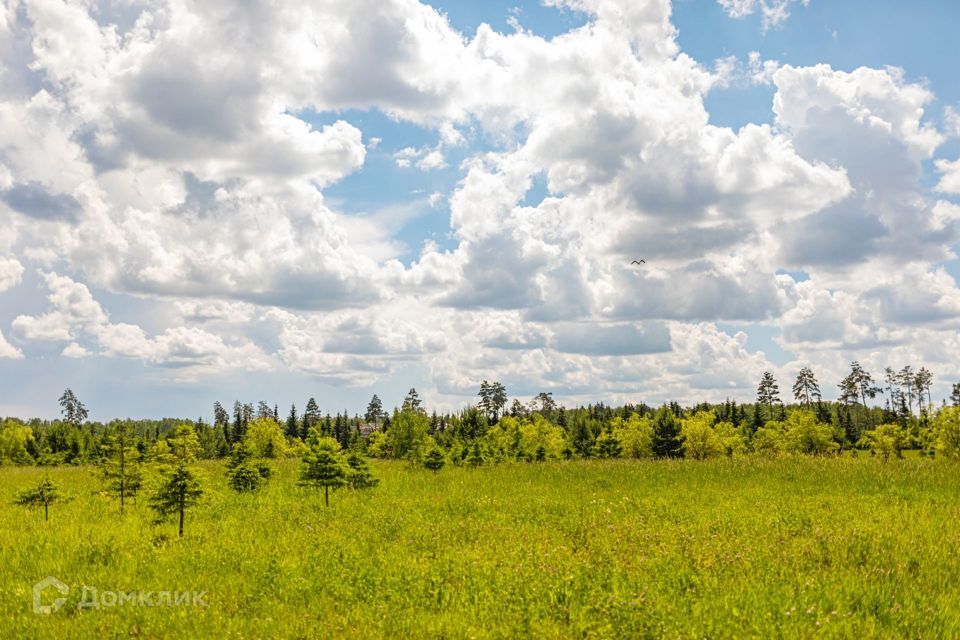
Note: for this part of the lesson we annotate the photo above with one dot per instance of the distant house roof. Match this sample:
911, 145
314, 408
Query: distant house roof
366, 428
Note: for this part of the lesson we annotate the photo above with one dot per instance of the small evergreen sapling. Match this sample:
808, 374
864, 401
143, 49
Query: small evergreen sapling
323, 465
45, 494
243, 471
607, 446
360, 476
434, 460
121, 464
179, 487
475, 457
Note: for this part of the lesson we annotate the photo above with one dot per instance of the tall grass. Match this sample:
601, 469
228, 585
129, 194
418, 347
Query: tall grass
720, 549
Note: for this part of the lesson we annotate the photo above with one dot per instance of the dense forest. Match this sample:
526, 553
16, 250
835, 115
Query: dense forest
495, 429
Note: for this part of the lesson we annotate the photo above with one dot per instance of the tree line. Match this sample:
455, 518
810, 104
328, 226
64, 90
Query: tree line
495, 429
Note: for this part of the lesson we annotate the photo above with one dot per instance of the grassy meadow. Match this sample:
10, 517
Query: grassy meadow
732, 548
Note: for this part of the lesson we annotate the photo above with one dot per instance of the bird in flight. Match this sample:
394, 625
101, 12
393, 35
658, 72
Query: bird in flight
639, 262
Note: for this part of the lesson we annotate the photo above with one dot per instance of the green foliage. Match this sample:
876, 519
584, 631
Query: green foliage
493, 398
73, 411
434, 460
521, 437
475, 458
582, 434
699, 440
375, 412
184, 445
160, 452
768, 394
179, 486
244, 472
799, 433
635, 435
666, 434
377, 445
120, 466
946, 429
43, 495
886, 440
245, 478
323, 465
408, 432
731, 440
15, 442
360, 476
265, 438
607, 446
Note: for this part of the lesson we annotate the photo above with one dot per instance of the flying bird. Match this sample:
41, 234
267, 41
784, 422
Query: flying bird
639, 262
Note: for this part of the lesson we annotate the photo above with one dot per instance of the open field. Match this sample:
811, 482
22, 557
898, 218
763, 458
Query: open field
723, 548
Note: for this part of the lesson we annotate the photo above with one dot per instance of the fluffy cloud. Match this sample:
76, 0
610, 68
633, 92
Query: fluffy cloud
951, 121
10, 273
949, 176
7, 350
772, 12
871, 122
75, 315
190, 190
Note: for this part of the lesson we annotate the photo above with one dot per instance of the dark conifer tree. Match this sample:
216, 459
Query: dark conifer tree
666, 434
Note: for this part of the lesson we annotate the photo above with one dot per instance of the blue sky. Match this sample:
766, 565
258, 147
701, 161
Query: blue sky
398, 196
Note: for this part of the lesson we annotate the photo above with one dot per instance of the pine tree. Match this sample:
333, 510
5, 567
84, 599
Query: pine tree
323, 465
221, 418
907, 381
180, 487
375, 411
434, 460
245, 479
360, 475
923, 382
341, 431
121, 464
244, 473
823, 413
666, 434
412, 400
73, 411
607, 446
293, 424
475, 457
806, 389
498, 394
239, 426
768, 393
581, 437
311, 418
44, 495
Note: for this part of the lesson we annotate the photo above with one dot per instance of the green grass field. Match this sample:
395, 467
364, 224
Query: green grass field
727, 548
